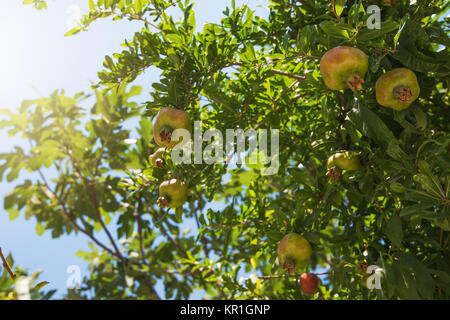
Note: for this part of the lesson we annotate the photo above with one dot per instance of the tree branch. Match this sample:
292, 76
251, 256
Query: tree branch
164, 233
99, 217
6, 265
91, 192
200, 207
71, 220
141, 247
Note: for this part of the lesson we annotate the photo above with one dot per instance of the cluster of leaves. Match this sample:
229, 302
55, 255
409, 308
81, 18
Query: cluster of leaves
37, 4
249, 72
23, 286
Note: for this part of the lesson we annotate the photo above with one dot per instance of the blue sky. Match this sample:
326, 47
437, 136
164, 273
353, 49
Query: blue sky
37, 60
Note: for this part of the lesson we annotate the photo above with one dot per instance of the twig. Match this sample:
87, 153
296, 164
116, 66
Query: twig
91, 191
72, 222
136, 17
100, 219
164, 233
277, 276
381, 210
141, 246
276, 71
290, 75
139, 225
262, 122
203, 240
325, 258
176, 244
6, 265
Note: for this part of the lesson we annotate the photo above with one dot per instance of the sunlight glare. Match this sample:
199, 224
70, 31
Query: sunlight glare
11, 54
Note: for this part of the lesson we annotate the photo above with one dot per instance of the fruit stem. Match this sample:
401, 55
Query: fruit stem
165, 133
355, 82
403, 94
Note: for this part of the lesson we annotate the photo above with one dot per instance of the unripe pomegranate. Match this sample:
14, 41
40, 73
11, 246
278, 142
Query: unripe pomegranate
173, 194
309, 283
361, 269
397, 89
344, 160
344, 67
166, 121
293, 252
157, 158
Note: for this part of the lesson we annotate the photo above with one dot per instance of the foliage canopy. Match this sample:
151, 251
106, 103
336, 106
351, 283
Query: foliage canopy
249, 72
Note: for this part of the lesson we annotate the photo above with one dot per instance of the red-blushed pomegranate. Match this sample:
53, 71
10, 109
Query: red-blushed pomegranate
397, 89
293, 252
309, 283
166, 121
344, 67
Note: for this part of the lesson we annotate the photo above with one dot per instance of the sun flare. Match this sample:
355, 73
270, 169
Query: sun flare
11, 53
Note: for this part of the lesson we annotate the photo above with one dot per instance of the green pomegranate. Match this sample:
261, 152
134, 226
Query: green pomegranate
309, 283
293, 252
344, 67
344, 160
397, 89
361, 269
166, 121
158, 158
172, 194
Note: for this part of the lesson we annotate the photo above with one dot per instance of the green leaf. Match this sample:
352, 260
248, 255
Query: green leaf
370, 34
411, 55
91, 5
40, 229
397, 187
336, 30
441, 274
339, 6
414, 209
393, 230
138, 6
373, 127
13, 214
406, 287
73, 31
420, 116
40, 285
424, 281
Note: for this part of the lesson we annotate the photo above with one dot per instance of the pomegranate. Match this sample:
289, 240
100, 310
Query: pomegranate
344, 67
173, 194
397, 89
293, 252
166, 121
